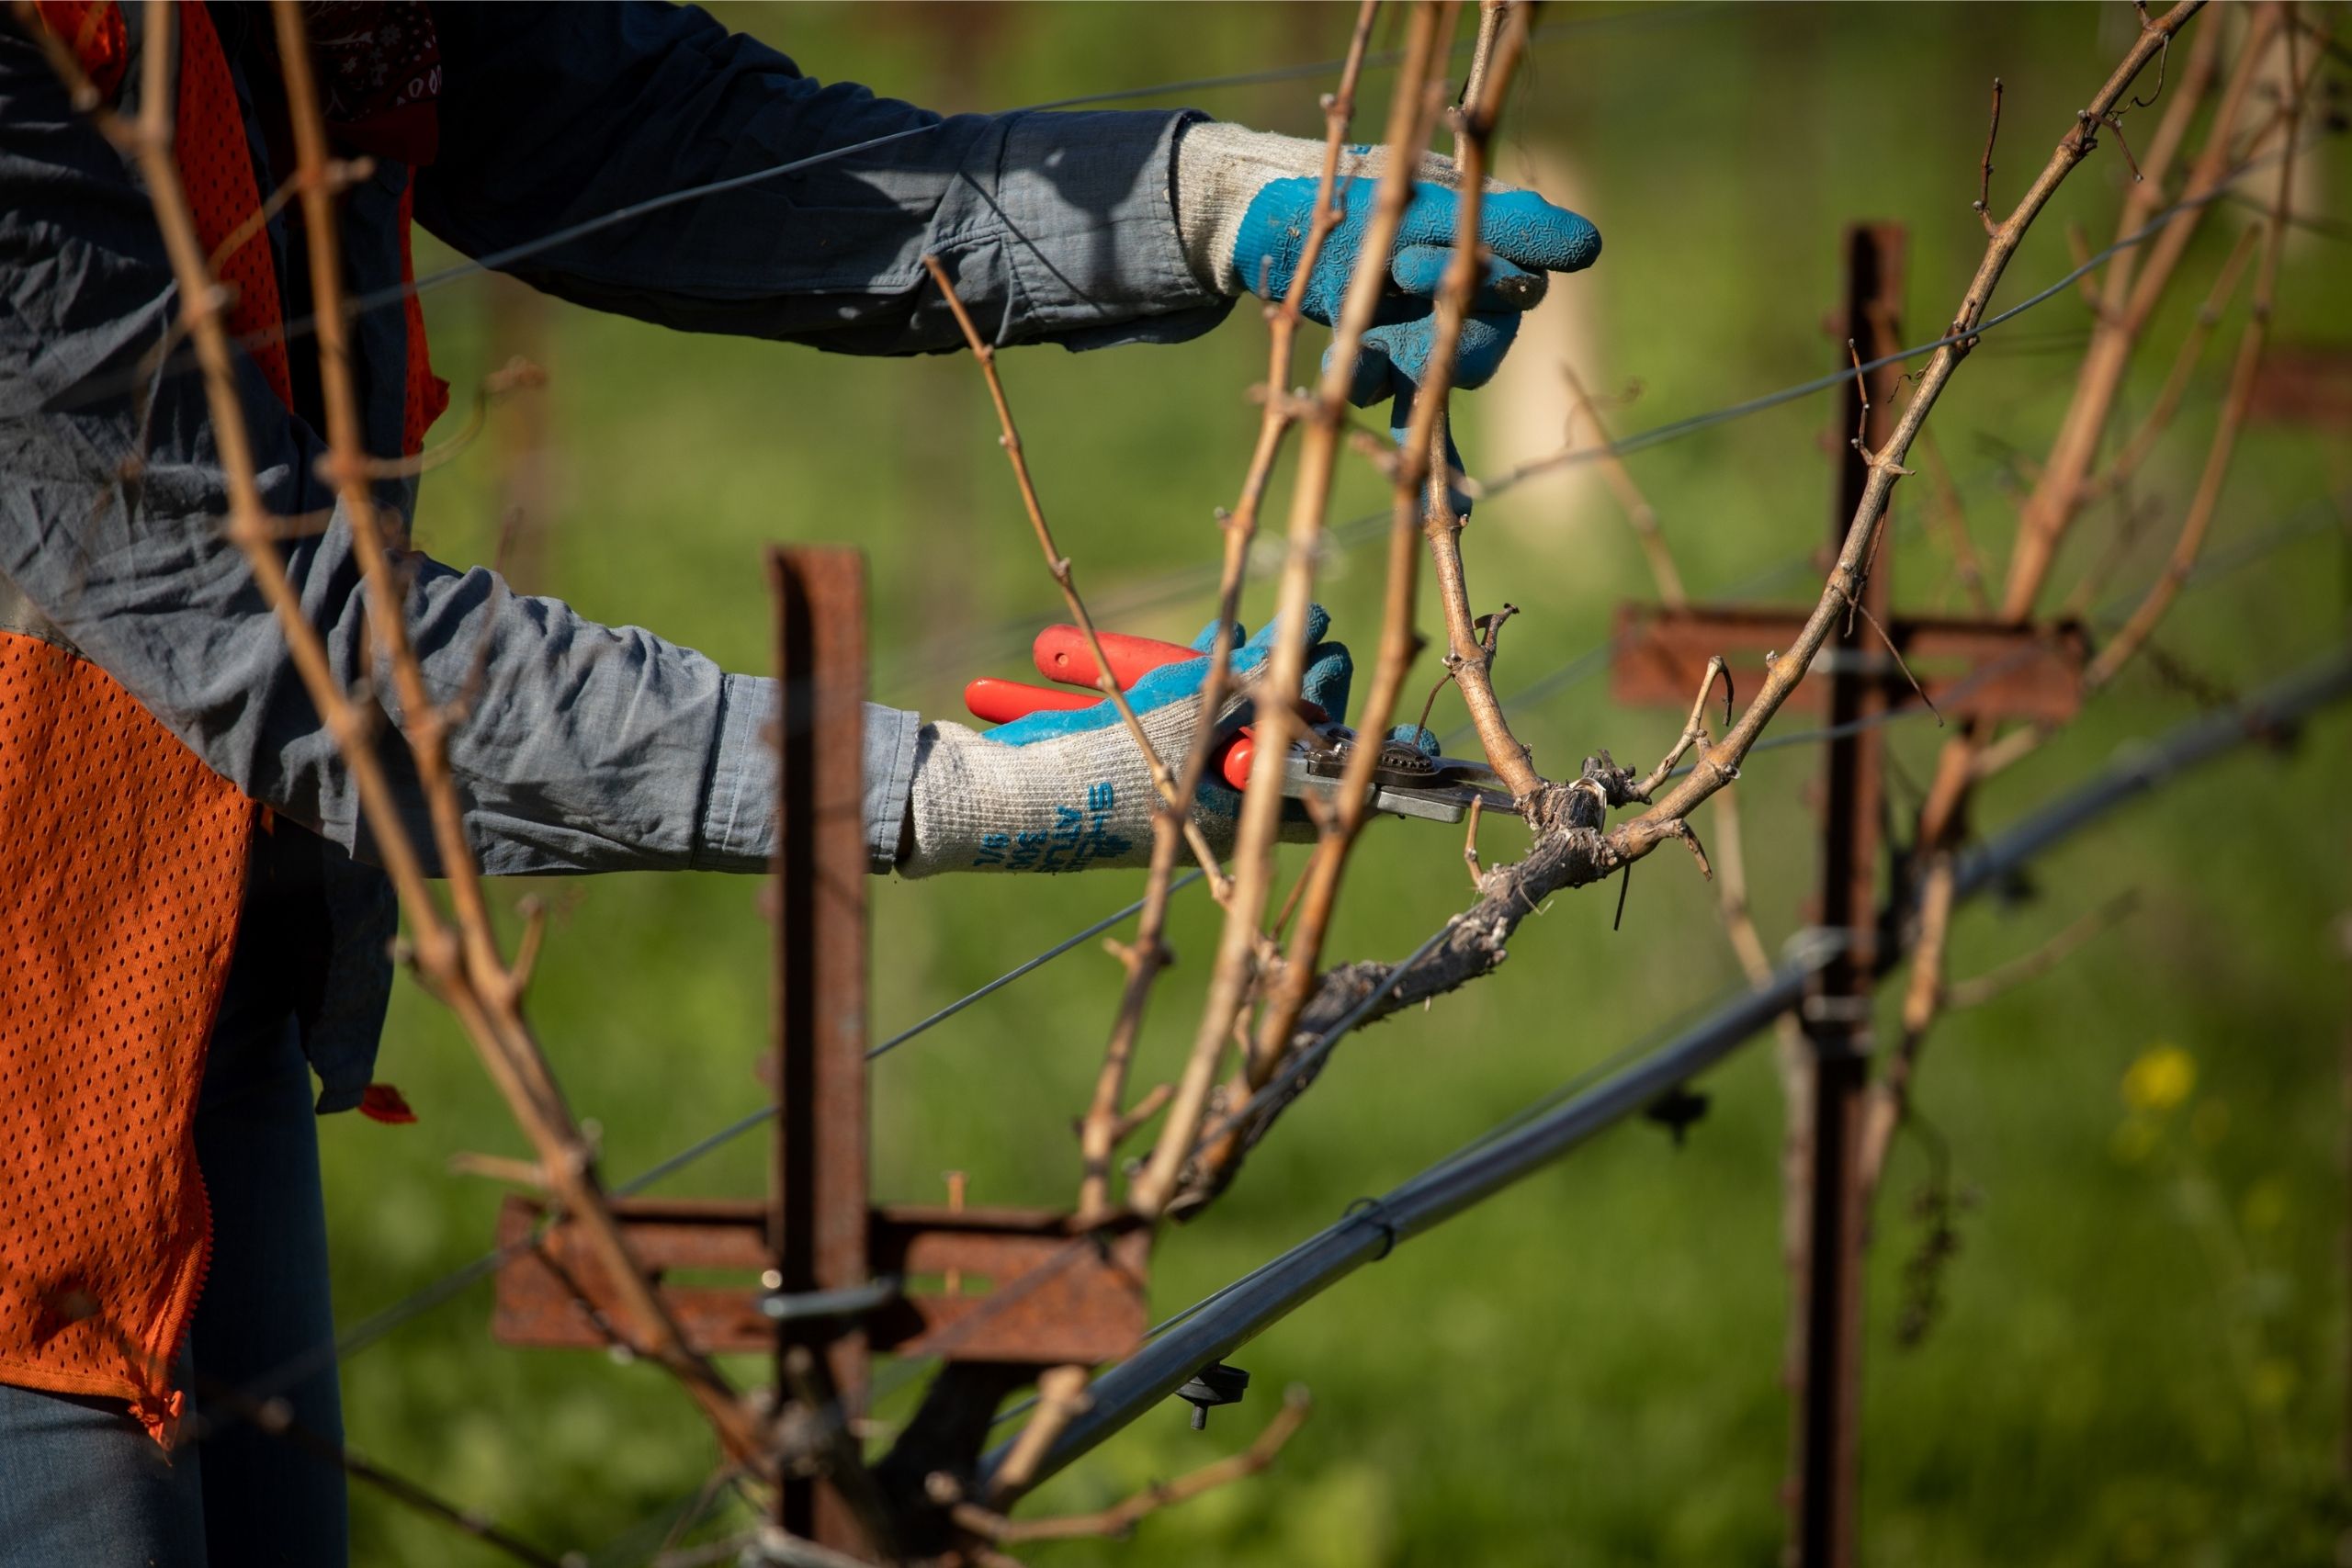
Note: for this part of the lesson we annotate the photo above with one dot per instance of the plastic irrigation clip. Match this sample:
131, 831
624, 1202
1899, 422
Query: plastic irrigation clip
1677, 1110
1215, 1383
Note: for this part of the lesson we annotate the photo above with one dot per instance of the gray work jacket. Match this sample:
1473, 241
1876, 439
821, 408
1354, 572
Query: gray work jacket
586, 747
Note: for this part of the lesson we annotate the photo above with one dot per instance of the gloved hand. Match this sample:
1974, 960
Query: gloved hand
1245, 201
1067, 791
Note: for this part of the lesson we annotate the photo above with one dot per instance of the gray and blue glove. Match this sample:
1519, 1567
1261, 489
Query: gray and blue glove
1245, 201
1066, 790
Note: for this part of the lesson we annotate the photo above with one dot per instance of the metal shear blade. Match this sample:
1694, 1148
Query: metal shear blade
1404, 782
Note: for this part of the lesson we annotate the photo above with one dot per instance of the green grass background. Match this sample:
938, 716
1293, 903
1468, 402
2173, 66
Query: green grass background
2142, 1355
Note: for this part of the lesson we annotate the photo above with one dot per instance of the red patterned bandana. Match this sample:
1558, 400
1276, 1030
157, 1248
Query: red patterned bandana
379, 75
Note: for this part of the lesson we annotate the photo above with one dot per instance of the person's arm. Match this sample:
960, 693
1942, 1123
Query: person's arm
1056, 227
584, 747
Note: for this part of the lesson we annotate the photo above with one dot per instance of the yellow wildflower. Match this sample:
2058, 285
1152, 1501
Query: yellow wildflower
2159, 1080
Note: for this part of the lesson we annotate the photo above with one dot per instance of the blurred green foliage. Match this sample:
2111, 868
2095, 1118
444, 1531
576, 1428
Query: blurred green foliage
2139, 1353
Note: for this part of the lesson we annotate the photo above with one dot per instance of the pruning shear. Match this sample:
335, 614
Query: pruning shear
1406, 780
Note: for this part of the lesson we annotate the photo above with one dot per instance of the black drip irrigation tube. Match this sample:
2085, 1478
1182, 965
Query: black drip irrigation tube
1368, 1232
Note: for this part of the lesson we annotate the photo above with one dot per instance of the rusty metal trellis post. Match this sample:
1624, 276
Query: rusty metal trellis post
815, 1266
817, 1222
1976, 668
1837, 1015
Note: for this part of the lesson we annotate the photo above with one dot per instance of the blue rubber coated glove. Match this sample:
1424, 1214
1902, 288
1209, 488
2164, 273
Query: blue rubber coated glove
1245, 202
1066, 790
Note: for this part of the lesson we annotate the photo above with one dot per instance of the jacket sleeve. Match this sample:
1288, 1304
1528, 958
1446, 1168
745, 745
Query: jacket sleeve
583, 746
1054, 226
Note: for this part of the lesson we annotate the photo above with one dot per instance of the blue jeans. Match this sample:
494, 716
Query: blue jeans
83, 1483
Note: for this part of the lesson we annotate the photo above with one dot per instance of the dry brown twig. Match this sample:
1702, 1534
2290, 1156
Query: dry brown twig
1630, 499
1954, 512
2066, 483
1573, 847
1928, 998
2133, 287
1123, 1518
1792, 1055
1854, 592
1983, 202
1502, 32
1420, 504
471, 976
1470, 843
1420, 487
1976, 992
2247, 367
1889, 1095
1104, 1126
1061, 1397
1276, 720
517, 374
1694, 728
2192, 347
460, 965
1713, 769
1057, 565
1133, 1120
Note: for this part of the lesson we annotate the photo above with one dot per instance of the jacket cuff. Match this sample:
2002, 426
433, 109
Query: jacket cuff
891, 742
1089, 205
737, 831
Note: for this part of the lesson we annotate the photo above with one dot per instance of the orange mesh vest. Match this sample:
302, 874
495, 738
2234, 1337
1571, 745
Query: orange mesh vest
122, 871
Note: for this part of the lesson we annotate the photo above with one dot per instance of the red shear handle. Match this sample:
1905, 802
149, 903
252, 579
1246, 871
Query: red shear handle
1062, 655
1236, 762
1242, 745
1001, 702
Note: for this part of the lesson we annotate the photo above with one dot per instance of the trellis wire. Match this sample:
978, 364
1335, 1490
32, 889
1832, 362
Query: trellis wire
398, 294
2312, 518
766, 1113
380, 1325
1489, 1165
1640, 1045
904, 1371
383, 1323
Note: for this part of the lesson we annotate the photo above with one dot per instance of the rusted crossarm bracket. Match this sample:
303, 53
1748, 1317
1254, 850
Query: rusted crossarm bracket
1030, 1293
1970, 669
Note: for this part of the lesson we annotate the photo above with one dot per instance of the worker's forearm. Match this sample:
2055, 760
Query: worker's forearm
1058, 227
738, 831
583, 748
